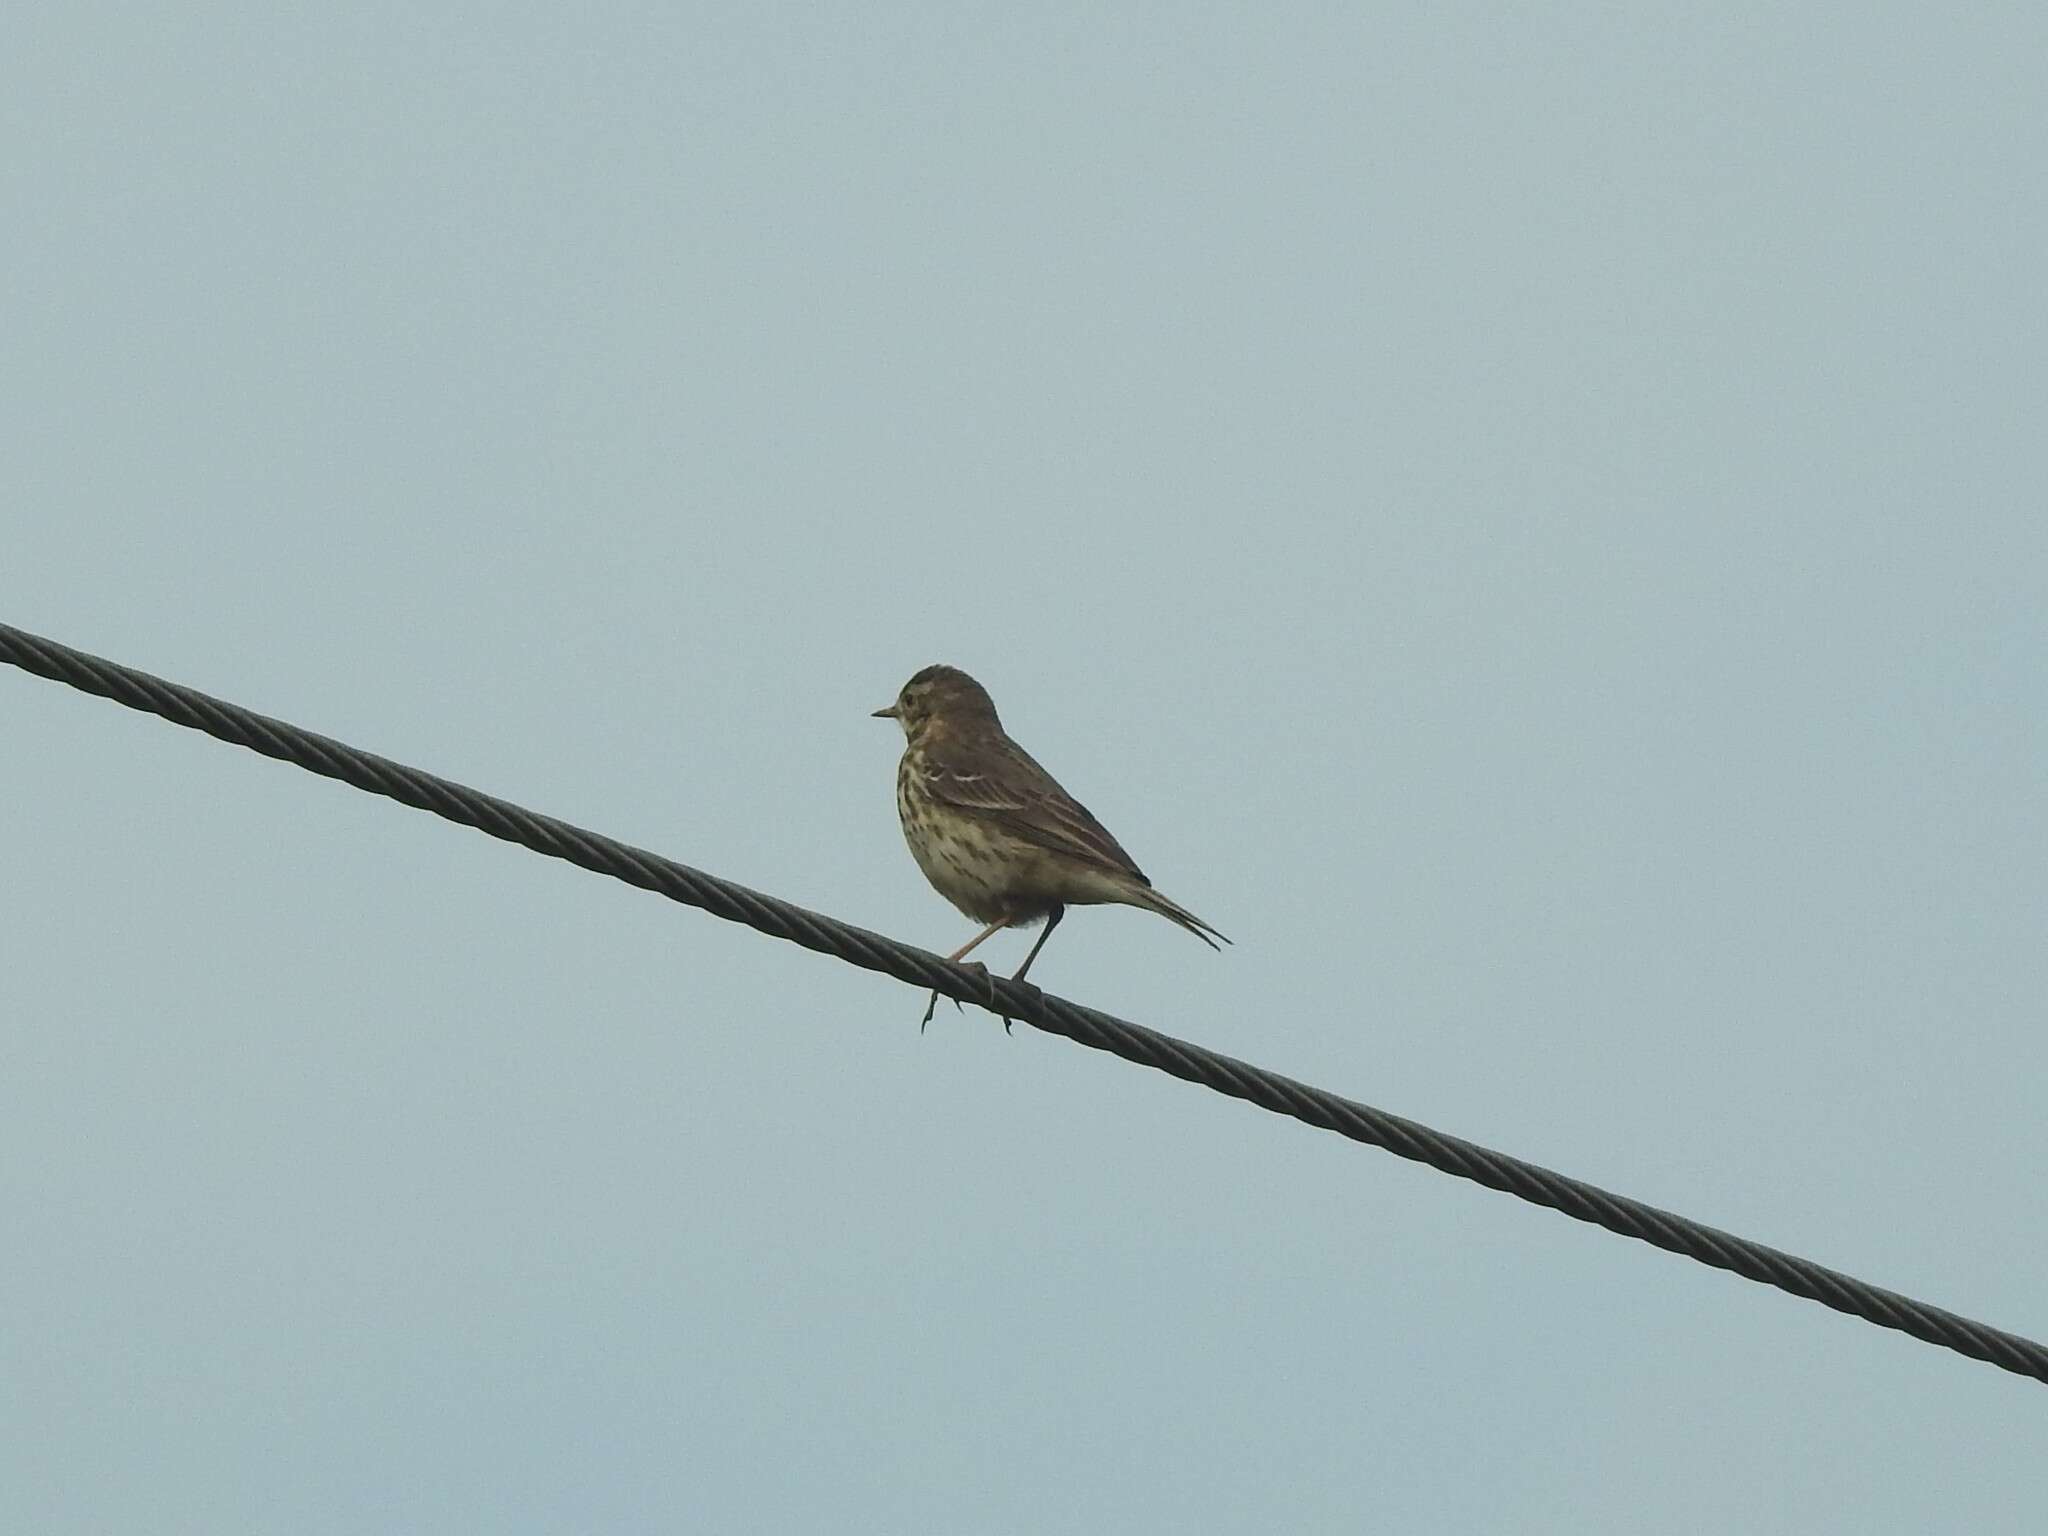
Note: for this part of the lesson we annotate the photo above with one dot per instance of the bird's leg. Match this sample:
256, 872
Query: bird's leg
958, 955
1052, 921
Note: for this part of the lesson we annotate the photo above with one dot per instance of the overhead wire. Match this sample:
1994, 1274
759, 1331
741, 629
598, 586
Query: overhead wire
1021, 1002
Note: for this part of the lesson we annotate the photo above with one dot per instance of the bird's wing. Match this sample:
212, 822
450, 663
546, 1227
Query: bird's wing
1000, 782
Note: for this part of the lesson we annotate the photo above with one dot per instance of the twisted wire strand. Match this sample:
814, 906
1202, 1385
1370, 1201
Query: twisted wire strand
1022, 1002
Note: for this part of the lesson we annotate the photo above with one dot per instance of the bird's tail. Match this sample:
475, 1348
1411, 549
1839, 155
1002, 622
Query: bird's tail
1167, 907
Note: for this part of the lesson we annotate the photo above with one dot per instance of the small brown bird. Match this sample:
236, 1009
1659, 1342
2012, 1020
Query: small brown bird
994, 832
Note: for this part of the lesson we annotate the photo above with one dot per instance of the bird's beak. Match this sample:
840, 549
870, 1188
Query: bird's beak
886, 714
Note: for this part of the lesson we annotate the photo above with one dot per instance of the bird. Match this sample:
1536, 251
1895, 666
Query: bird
993, 831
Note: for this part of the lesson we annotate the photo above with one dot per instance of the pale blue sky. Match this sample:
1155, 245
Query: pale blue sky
1529, 520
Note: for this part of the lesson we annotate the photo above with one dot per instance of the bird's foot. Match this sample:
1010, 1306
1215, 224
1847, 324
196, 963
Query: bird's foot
1019, 981
994, 1004
932, 1003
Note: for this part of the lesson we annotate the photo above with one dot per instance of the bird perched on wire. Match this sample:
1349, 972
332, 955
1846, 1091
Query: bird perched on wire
993, 832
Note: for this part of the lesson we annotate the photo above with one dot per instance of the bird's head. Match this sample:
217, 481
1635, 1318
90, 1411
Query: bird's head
940, 696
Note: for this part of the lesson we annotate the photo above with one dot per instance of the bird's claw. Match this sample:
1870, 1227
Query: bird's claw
993, 999
932, 1002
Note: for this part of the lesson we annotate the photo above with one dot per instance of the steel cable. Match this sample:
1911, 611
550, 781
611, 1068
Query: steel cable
1022, 1002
